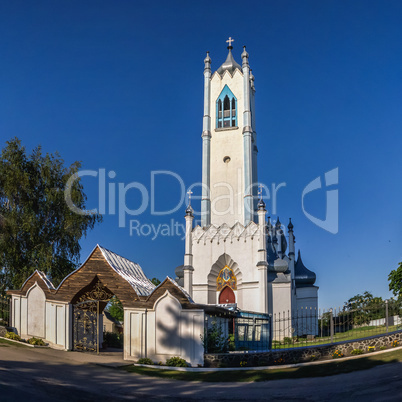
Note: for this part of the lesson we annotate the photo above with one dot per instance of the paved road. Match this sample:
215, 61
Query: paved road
45, 375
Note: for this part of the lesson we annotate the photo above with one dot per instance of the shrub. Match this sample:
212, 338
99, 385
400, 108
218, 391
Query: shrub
356, 352
337, 354
13, 336
287, 340
176, 362
383, 347
243, 363
371, 348
395, 344
145, 360
214, 340
113, 340
36, 341
232, 344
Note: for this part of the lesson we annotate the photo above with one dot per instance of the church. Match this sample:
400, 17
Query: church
237, 257
239, 267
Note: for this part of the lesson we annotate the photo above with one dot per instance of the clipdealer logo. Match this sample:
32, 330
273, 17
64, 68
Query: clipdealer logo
112, 197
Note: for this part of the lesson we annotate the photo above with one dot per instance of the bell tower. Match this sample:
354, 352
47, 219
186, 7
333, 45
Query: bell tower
229, 151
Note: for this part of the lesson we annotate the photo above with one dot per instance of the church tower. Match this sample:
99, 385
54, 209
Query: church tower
229, 151
237, 257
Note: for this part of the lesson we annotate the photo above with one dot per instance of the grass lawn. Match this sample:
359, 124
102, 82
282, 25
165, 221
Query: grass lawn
321, 370
5, 343
356, 333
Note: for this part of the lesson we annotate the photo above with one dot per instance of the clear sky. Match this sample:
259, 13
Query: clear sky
118, 85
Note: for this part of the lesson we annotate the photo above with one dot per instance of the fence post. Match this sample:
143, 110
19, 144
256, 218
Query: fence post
386, 314
332, 325
322, 319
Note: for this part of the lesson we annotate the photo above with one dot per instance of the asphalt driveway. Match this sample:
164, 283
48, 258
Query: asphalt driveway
28, 374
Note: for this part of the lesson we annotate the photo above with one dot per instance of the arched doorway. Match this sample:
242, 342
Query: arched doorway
227, 296
88, 305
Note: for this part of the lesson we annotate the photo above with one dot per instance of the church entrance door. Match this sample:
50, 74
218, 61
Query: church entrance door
227, 296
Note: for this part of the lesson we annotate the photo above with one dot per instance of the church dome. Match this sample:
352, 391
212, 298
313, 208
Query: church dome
279, 265
303, 276
275, 264
230, 64
179, 275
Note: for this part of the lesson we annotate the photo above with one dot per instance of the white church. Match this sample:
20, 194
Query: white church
238, 267
237, 257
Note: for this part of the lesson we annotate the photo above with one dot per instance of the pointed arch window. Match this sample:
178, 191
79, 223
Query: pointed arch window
226, 109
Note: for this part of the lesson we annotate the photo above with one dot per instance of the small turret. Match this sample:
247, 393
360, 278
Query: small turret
278, 224
303, 276
244, 57
252, 80
207, 62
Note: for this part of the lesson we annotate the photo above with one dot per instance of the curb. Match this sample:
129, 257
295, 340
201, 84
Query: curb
279, 366
23, 343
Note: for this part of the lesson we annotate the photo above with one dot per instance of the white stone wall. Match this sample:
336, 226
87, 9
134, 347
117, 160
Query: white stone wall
280, 306
36, 301
237, 246
29, 313
164, 332
392, 320
307, 297
16, 313
59, 325
307, 311
33, 316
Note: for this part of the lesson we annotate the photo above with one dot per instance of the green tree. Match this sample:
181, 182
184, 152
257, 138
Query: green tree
115, 309
363, 308
395, 281
155, 281
214, 340
38, 230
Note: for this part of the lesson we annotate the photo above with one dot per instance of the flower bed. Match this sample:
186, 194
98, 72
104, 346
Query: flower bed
32, 342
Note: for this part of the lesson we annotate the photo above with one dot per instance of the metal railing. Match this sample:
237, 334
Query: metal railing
246, 331
309, 326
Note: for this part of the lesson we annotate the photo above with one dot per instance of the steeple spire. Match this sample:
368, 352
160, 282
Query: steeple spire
189, 209
261, 203
230, 64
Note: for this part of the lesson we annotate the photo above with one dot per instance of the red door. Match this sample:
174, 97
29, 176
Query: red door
227, 296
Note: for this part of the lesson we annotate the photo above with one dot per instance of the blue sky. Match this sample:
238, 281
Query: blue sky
118, 85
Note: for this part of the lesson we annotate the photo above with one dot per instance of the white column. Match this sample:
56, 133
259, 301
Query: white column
247, 142
206, 146
262, 264
188, 256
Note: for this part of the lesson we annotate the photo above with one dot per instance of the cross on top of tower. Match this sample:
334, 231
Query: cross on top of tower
189, 192
261, 203
260, 191
230, 40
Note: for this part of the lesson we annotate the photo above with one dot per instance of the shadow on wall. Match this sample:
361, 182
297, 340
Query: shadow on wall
177, 331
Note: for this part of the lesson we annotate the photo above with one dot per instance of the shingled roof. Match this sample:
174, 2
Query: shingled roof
130, 271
